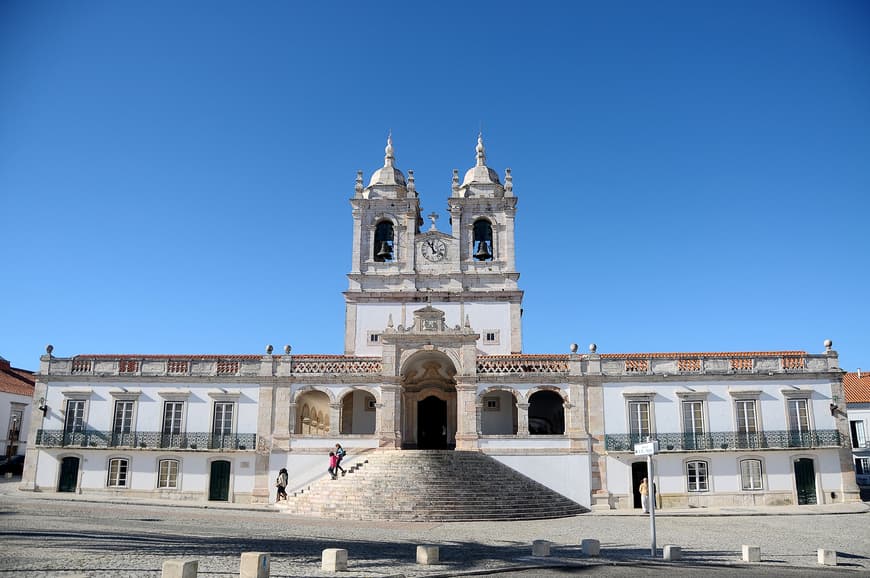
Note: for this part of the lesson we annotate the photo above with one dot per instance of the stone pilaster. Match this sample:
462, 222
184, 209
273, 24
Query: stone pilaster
262, 486
334, 419
467, 417
388, 426
522, 420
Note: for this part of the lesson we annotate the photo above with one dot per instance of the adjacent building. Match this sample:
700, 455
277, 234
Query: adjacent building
16, 397
857, 390
433, 359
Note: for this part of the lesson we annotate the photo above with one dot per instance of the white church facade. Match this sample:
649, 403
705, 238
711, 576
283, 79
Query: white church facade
433, 360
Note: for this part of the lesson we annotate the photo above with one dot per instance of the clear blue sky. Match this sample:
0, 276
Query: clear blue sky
692, 176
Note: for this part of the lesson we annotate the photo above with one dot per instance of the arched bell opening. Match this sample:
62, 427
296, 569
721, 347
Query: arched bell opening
429, 418
384, 245
546, 413
358, 413
482, 249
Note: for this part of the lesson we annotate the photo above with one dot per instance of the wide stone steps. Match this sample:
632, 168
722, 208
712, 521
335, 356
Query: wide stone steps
430, 485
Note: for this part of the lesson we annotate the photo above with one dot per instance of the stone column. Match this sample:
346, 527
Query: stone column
291, 418
388, 428
522, 420
281, 430
478, 419
334, 419
466, 417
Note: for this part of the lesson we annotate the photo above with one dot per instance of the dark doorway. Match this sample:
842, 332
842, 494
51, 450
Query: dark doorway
69, 475
638, 473
432, 424
805, 481
219, 485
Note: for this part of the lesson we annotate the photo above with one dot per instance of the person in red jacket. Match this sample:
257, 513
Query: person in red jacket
333, 465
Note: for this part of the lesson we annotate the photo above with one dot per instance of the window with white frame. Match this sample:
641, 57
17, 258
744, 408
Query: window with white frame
693, 417
638, 419
862, 466
223, 418
123, 420
750, 475
798, 415
74, 420
167, 474
859, 439
696, 476
490, 336
747, 420
173, 413
117, 473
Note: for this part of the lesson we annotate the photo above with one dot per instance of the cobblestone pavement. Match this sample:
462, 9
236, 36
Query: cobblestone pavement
50, 535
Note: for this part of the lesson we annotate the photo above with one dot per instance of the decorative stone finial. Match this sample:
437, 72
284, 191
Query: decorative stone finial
49, 348
268, 350
433, 216
287, 350
593, 348
388, 151
467, 321
358, 187
508, 181
481, 152
390, 321
412, 187
574, 348
828, 344
455, 179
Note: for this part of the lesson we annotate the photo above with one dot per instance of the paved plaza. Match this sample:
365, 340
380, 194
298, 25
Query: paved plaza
50, 534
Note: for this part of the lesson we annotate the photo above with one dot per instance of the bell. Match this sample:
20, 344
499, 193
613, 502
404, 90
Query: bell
483, 253
384, 253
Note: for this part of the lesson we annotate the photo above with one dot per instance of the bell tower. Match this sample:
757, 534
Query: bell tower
469, 274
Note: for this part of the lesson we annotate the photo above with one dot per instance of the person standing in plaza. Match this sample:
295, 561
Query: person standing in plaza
644, 495
281, 483
339, 453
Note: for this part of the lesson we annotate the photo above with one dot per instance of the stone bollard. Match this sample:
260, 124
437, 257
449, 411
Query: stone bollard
540, 548
334, 560
827, 557
254, 565
591, 547
428, 554
751, 553
180, 569
672, 553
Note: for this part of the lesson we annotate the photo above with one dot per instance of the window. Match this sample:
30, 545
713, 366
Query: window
750, 475
862, 466
638, 419
75, 416
491, 403
490, 337
482, 242
858, 436
383, 247
167, 474
696, 476
693, 424
373, 338
172, 415
117, 473
123, 422
798, 416
223, 418
746, 420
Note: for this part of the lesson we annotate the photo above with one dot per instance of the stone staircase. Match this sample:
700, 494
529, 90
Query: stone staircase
428, 486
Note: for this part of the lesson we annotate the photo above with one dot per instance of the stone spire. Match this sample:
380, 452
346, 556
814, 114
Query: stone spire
481, 152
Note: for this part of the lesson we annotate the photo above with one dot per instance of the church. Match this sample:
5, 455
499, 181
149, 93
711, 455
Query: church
433, 361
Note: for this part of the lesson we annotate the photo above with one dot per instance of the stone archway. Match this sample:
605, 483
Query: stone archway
429, 418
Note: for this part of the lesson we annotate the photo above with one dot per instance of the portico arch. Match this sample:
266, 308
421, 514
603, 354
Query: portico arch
428, 401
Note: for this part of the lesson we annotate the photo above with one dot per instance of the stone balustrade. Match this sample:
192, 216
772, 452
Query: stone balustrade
202, 441
721, 441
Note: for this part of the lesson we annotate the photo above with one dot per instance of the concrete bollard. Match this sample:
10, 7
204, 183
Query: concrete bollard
827, 557
428, 554
591, 547
180, 569
751, 553
540, 548
254, 565
672, 553
334, 560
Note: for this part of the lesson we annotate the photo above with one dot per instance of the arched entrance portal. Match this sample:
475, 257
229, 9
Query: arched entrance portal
428, 401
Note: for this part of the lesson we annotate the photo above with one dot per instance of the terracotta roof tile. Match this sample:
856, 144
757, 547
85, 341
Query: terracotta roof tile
14, 380
857, 389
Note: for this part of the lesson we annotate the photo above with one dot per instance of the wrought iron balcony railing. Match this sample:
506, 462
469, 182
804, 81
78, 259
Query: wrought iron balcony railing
146, 440
680, 442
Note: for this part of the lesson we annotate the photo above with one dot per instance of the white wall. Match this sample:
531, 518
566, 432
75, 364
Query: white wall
6, 401
567, 474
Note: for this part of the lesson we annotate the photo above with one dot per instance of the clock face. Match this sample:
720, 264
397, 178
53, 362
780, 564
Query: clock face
434, 250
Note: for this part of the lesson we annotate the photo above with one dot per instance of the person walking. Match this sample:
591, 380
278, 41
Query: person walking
281, 484
644, 495
340, 453
333, 464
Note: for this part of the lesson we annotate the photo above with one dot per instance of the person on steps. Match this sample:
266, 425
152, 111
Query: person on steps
333, 465
281, 484
340, 453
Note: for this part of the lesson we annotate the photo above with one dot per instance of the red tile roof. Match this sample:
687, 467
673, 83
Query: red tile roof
857, 388
14, 380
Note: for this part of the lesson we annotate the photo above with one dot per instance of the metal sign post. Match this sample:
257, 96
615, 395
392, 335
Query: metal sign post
649, 449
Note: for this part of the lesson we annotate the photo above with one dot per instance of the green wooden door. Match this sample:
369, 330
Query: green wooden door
805, 481
69, 475
219, 484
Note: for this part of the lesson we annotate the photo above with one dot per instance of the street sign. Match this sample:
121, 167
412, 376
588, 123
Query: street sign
646, 449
